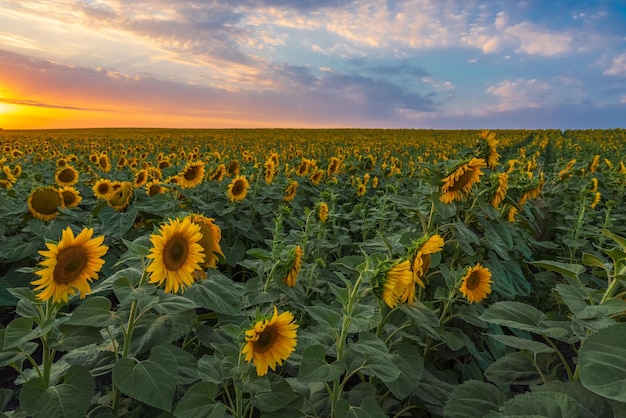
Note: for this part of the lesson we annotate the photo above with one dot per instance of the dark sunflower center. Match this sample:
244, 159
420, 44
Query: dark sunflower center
46, 201
462, 181
266, 340
154, 189
67, 176
175, 253
71, 262
69, 198
141, 177
238, 188
473, 281
192, 173
104, 188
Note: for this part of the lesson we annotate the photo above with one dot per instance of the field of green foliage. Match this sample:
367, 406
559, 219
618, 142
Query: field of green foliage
312, 273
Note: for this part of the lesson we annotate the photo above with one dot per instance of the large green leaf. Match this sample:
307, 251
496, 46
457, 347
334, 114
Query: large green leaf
314, 367
535, 347
369, 408
94, 311
152, 330
411, 365
376, 358
514, 315
473, 399
591, 405
568, 270
69, 399
514, 369
199, 402
217, 293
602, 362
539, 404
152, 381
280, 395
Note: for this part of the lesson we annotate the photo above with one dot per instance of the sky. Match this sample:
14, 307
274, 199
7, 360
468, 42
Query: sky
436, 64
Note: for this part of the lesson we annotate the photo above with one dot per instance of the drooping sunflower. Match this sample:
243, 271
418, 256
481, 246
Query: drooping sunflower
121, 197
70, 265
141, 178
316, 177
270, 342
322, 212
419, 256
233, 167
486, 148
218, 174
361, 189
176, 254
66, 176
104, 163
459, 183
392, 282
155, 187
290, 191
476, 284
238, 189
294, 265
43, 203
510, 216
102, 188
269, 169
596, 200
210, 242
192, 175
501, 190
333, 166
71, 196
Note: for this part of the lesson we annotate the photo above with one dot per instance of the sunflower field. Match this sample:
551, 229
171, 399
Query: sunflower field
312, 273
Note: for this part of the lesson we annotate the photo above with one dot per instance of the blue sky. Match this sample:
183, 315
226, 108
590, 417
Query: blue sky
328, 63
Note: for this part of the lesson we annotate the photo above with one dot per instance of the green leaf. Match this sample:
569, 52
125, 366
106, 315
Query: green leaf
535, 347
18, 332
152, 330
94, 311
280, 395
118, 223
70, 399
619, 240
369, 408
217, 293
350, 262
76, 336
152, 381
610, 307
314, 367
574, 297
15, 355
513, 369
591, 260
325, 316
514, 315
473, 399
539, 404
199, 402
569, 270
5, 397
170, 303
423, 317
187, 364
591, 405
602, 362
376, 357
411, 365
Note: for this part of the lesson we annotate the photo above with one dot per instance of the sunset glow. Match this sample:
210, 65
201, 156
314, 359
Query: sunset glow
271, 63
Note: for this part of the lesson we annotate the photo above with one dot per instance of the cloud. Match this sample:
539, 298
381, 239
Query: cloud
618, 67
26, 102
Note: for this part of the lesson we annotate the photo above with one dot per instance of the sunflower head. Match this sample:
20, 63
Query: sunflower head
270, 341
141, 178
476, 284
322, 212
43, 203
238, 189
155, 187
66, 176
71, 197
290, 191
102, 188
192, 175
176, 254
120, 198
70, 265
293, 266
458, 184
392, 281
210, 242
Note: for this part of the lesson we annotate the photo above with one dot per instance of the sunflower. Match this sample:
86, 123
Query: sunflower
71, 197
102, 188
476, 284
66, 176
104, 163
316, 177
70, 265
164, 164
322, 212
361, 189
233, 167
419, 256
120, 198
176, 254
141, 178
393, 281
219, 173
510, 216
459, 183
597, 198
269, 169
238, 189
333, 166
192, 175
210, 242
486, 148
270, 342
154, 187
290, 191
294, 264
44, 201
500, 191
